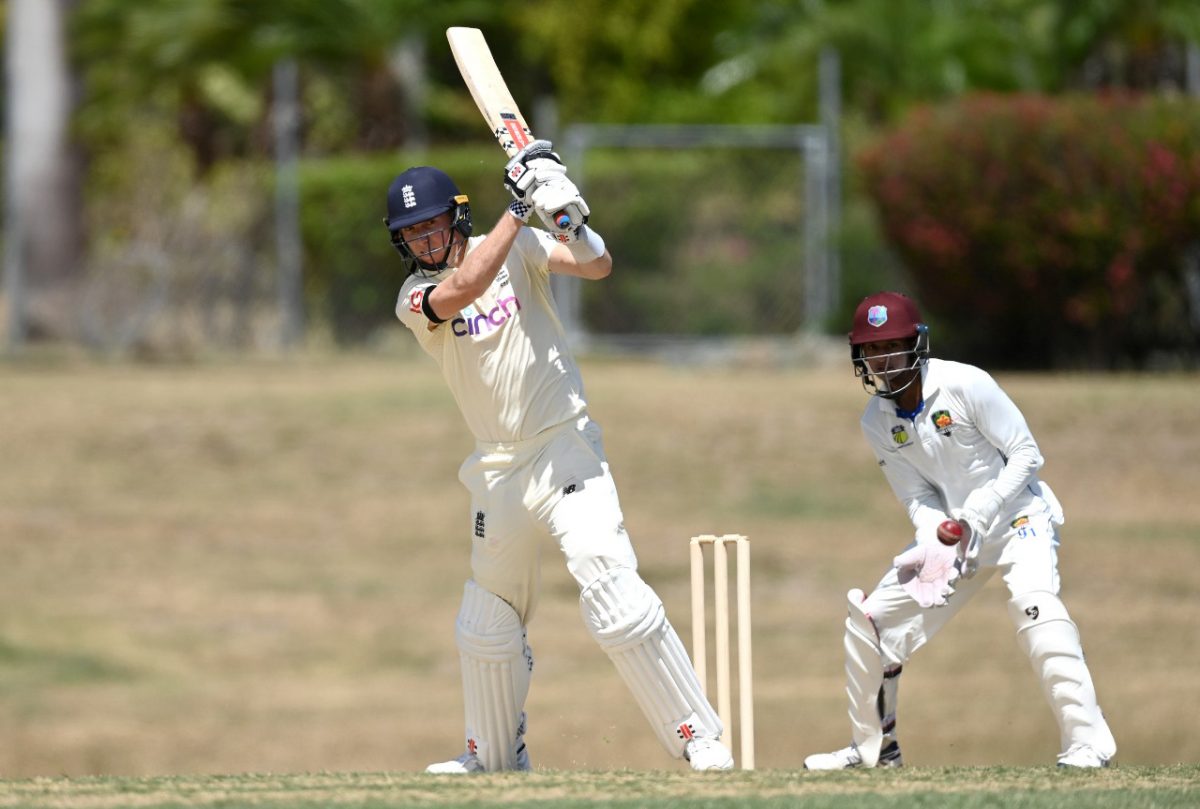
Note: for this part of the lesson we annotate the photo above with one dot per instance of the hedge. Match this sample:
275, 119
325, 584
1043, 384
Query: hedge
1047, 231
352, 273
707, 241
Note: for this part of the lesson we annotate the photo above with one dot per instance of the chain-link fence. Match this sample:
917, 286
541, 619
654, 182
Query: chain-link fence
717, 231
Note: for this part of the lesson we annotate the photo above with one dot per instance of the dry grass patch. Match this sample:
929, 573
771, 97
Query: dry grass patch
253, 567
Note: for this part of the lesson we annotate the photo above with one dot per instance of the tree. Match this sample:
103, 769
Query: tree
900, 52
42, 212
209, 62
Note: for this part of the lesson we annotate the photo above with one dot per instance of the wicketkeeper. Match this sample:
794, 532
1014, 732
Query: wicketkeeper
960, 458
481, 307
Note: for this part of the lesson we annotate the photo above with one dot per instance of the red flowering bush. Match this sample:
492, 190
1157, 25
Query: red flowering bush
1047, 231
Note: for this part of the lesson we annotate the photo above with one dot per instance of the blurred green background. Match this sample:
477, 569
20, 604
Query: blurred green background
190, 177
230, 533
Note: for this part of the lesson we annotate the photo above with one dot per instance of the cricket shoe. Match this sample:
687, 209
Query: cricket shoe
465, 764
848, 758
469, 763
708, 754
1081, 756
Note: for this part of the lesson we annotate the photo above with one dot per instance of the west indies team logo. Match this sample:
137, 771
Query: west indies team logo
942, 422
900, 435
877, 316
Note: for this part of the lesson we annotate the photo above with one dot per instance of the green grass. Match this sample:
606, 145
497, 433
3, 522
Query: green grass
255, 566
946, 788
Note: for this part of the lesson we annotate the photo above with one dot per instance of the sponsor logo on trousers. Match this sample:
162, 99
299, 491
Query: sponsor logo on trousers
485, 323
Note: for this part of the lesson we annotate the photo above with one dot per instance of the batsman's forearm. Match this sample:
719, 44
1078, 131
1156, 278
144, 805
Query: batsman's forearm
478, 269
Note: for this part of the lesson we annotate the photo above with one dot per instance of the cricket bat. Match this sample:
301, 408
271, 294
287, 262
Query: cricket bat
491, 94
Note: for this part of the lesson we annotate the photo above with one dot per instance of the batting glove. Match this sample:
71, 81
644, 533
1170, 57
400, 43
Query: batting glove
521, 172
556, 196
520, 209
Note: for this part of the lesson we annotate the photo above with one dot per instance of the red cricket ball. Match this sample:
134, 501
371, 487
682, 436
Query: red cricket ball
949, 532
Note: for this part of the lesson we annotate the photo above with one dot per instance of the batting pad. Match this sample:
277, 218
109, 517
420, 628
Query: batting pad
496, 668
629, 622
1049, 637
864, 679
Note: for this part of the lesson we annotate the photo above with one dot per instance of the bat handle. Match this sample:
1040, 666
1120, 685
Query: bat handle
562, 220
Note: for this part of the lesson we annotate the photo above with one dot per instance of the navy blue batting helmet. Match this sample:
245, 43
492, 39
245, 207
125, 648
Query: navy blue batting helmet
418, 194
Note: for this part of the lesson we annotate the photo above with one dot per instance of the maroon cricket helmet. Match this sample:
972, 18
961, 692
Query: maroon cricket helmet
885, 316
888, 316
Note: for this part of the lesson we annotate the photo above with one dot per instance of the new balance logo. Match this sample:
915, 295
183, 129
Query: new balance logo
479, 524
568, 489
410, 199
1032, 612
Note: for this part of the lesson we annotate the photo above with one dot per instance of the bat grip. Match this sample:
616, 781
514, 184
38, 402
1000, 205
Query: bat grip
562, 220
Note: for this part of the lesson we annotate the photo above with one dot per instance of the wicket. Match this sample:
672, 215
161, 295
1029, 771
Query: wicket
721, 614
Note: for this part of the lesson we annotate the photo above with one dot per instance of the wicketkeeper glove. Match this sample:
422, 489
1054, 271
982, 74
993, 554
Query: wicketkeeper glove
927, 572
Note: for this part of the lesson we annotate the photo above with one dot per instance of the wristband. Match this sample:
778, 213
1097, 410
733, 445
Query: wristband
520, 209
588, 245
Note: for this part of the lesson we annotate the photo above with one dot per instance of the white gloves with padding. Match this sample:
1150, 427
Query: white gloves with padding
537, 180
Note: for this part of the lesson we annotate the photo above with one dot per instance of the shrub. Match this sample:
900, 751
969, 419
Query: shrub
1047, 231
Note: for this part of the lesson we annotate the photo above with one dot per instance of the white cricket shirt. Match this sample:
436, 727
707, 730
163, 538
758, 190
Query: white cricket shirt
504, 357
967, 434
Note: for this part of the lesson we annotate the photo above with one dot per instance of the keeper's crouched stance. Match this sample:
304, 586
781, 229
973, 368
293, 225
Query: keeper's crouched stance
959, 455
482, 308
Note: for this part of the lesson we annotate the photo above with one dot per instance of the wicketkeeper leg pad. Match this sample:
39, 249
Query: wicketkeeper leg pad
496, 668
864, 680
627, 619
889, 696
1050, 638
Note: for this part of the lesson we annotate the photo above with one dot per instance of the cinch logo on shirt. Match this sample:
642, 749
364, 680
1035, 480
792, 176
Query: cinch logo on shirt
482, 324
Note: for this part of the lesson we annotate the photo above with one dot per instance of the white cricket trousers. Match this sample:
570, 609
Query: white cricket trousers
1027, 557
1026, 554
556, 484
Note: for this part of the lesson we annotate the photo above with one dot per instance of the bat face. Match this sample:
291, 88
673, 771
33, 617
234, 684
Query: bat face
491, 94
488, 88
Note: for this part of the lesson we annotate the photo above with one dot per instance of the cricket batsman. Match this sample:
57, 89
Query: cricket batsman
481, 307
961, 460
